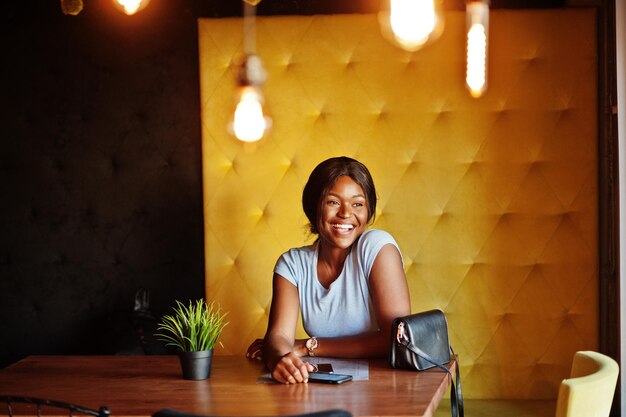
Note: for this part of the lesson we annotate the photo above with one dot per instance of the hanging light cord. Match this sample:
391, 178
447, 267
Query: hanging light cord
249, 41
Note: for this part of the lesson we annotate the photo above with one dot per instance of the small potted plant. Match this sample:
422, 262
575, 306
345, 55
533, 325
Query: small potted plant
193, 330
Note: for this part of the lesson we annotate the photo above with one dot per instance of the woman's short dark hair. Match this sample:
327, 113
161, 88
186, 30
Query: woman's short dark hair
324, 177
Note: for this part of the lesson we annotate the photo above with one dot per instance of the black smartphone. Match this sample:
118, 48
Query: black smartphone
325, 368
329, 378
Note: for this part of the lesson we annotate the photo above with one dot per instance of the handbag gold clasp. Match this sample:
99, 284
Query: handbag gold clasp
401, 335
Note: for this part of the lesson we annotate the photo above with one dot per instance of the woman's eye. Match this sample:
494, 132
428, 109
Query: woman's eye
333, 203
358, 205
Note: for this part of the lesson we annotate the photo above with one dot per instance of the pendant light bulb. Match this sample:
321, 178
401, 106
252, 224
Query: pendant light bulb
130, 7
477, 26
412, 24
249, 122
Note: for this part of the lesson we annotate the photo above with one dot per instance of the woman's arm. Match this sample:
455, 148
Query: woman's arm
389, 290
390, 296
279, 353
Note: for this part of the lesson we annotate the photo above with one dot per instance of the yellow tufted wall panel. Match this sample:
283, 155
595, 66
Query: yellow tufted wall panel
493, 201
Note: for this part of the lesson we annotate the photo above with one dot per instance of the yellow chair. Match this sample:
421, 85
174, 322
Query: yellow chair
589, 390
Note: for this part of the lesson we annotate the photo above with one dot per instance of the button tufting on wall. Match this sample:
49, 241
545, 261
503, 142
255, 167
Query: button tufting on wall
457, 181
226, 67
504, 215
234, 164
501, 113
60, 259
529, 64
59, 165
408, 263
562, 113
169, 162
139, 213
36, 309
288, 164
114, 165
226, 166
442, 116
256, 213
116, 261
33, 214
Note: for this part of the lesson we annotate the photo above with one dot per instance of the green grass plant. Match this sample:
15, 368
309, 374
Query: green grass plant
192, 327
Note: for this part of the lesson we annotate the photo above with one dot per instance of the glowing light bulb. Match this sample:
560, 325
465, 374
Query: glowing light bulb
411, 24
131, 7
249, 123
71, 7
476, 59
477, 34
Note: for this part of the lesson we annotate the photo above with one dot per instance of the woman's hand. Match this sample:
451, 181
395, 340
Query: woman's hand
291, 369
255, 351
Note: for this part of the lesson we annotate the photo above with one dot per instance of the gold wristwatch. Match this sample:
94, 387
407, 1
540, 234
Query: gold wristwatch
311, 345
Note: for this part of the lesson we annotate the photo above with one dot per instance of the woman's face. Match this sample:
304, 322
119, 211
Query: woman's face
343, 214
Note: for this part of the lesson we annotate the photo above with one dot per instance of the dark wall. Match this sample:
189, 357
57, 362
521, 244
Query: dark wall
100, 167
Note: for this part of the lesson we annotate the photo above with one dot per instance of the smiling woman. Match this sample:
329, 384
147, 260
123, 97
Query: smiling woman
348, 285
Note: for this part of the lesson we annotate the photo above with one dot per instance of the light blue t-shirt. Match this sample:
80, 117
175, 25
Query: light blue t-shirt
345, 308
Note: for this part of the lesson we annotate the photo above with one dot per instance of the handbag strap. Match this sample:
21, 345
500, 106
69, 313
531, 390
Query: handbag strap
456, 394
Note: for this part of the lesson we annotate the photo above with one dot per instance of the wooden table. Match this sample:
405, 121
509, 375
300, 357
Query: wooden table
141, 385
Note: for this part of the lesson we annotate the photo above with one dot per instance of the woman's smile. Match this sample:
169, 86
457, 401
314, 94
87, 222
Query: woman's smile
343, 228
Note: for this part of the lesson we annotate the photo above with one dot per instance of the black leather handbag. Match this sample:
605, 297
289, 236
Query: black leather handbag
420, 341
